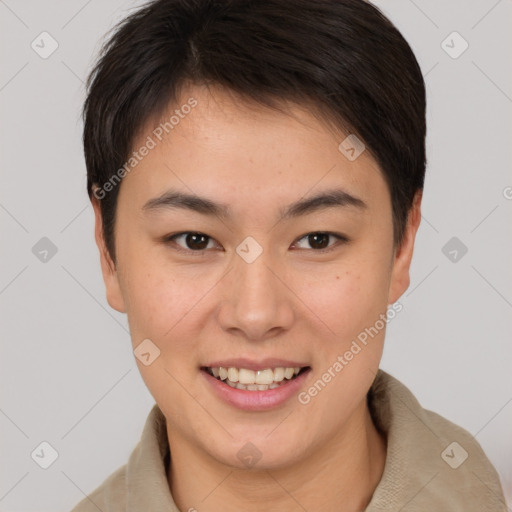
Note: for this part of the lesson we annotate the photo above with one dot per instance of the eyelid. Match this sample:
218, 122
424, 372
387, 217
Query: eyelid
170, 239
342, 239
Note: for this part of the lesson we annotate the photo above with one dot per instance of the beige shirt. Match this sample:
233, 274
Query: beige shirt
431, 464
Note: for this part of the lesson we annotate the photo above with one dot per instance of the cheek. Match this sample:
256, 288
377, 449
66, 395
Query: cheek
346, 301
166, 303
160, 305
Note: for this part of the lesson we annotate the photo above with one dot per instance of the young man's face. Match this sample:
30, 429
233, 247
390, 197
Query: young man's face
204, 301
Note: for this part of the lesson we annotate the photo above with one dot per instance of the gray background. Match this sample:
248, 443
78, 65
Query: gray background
68, 376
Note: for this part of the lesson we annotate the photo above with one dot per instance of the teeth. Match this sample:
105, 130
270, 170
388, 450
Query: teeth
259, 380
245, 376
278, 374
264, 376
288, 373
233, 374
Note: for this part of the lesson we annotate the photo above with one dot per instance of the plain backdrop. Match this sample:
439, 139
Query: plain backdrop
68, 375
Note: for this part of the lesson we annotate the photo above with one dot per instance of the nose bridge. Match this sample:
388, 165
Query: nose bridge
256, 301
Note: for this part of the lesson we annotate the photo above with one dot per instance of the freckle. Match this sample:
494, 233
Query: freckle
337, 277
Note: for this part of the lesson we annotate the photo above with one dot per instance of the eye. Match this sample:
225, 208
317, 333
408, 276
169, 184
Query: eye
191, 241
319, 241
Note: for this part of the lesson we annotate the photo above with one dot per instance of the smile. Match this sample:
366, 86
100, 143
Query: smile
254, 380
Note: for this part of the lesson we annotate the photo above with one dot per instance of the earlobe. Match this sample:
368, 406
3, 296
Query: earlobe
108, 268
400, 277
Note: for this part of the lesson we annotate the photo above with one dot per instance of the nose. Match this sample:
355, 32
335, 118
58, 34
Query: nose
258, 302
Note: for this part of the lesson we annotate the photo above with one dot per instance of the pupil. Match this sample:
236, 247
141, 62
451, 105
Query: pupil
196, 241
319, 240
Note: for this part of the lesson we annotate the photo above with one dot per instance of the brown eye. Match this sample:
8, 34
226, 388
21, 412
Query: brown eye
321, 241
191, 241
318, 240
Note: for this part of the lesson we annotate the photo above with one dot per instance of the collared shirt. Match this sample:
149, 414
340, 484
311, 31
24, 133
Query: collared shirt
431, 464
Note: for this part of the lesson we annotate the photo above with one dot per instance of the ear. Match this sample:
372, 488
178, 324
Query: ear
400, 278
108, 269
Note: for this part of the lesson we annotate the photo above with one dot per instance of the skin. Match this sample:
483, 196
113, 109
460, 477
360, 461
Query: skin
293, 301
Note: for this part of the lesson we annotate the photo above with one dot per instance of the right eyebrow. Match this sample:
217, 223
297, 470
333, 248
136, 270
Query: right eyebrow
332, 198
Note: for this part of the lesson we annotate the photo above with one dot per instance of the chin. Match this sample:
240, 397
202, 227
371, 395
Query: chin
257, 452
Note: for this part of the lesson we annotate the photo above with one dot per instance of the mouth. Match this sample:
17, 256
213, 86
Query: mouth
255, 380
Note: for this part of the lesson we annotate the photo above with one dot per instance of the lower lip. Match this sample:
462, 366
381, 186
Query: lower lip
256, 400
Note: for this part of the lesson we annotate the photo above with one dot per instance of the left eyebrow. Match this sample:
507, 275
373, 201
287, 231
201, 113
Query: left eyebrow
321, 201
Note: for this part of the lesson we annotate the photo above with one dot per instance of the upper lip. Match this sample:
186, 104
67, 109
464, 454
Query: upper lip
249, 364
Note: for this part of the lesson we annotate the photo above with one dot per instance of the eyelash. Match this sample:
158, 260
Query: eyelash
342, 239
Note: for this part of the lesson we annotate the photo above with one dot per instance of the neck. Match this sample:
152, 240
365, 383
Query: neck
344, 470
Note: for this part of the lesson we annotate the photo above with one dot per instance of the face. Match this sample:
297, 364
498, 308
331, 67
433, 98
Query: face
282, 258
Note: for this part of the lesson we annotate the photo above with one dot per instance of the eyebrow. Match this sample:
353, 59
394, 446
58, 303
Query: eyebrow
173, 199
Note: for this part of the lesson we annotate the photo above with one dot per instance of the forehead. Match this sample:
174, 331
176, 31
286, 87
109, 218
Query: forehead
224, 146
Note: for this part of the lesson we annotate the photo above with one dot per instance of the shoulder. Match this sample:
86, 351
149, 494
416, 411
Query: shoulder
430, 461
110, 496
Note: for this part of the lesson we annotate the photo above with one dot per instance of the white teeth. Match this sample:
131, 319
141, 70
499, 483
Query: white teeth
288, 373
246, 376
264, 376
233, 374
260, 380
278, 374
